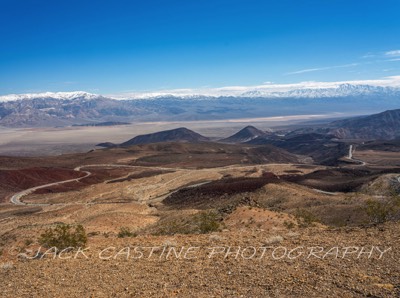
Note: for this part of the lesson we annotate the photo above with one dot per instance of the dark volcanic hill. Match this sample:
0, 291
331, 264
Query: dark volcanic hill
322, 148
209, 155
379, 145
244, 135
181, 134
382, 126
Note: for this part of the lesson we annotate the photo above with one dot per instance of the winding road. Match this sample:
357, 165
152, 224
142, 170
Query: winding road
350, 157
16, 198
329, 193
350, 152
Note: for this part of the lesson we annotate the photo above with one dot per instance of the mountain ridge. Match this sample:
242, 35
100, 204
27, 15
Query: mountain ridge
80, 108
333, 90
381, 126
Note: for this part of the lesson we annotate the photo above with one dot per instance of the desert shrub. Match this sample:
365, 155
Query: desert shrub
92, 234
201, 223
378, 212
207, 222
289, 224
169, 243
64, 236
6, 266
305, 218
382, 211
274, 240
174, 227
275, 202
28, 242
126, 232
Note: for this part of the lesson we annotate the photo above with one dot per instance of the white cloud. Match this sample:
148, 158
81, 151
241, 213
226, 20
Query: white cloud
394, 53
321, 68
368, 55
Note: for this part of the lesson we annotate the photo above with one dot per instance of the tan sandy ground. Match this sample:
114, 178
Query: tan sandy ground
203, 276
275, 275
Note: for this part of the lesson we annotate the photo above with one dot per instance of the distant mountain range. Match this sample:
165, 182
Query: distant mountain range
77, 108
50, 95
341, 90
327, 90
64, 110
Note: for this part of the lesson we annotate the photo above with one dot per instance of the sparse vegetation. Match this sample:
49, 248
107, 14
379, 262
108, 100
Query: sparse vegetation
92, 234
289, 224
207, 222
169, 243
383, 210
126, 232
305, 218
6, 266
274, 240
378, 212
28, 242
215, 238
196, 217
201, 223
275, 202
64, 236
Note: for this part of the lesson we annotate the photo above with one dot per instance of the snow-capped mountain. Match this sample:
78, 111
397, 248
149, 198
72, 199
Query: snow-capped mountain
342, 90
386, 86
69, 108
300, 90
50, 95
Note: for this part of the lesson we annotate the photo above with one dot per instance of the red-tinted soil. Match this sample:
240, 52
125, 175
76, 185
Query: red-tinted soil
16, 180
217, 193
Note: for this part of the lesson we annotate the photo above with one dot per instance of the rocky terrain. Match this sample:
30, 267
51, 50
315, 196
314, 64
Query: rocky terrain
218, 276
277, 216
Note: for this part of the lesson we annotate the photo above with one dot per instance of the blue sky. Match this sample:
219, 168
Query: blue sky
127, 46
